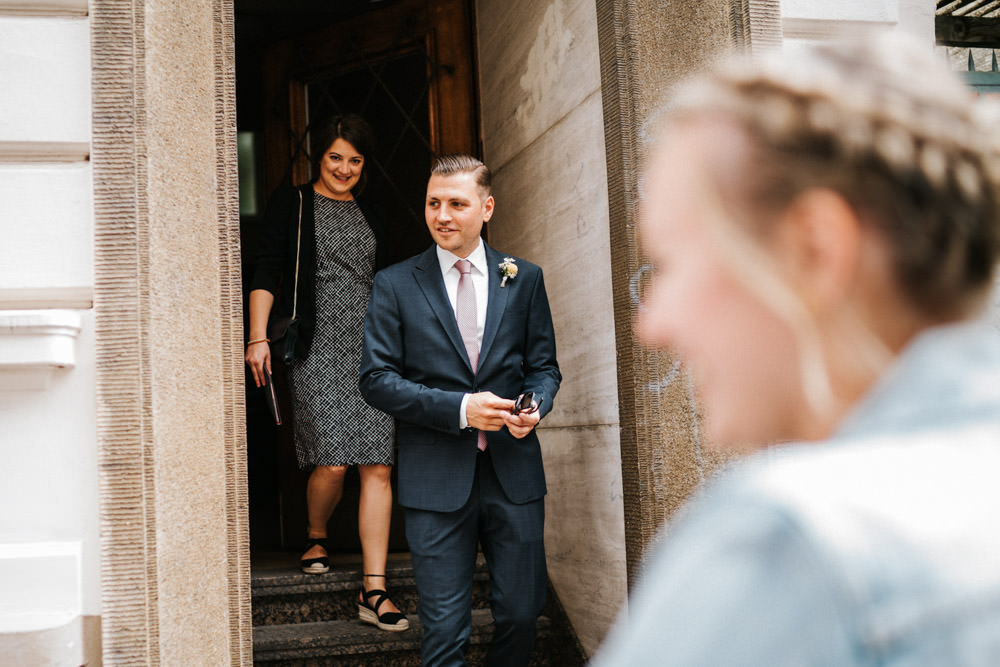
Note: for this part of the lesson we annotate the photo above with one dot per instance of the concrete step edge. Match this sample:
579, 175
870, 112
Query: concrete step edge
352, 637
292, 581
348, 572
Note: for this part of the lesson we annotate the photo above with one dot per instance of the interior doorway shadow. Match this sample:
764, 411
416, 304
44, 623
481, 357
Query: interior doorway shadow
407, 67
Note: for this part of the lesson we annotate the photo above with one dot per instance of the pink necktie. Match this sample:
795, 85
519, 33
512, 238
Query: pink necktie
465, 313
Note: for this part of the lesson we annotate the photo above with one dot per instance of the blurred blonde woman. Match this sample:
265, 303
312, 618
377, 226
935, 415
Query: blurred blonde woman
824, 227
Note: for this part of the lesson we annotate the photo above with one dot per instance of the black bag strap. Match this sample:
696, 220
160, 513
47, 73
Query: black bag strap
298, 255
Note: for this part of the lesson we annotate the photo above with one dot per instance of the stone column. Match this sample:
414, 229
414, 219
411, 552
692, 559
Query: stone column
175, 558
646, 46
540, 82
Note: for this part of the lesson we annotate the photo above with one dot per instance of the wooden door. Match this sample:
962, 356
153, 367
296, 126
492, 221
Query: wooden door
408, 68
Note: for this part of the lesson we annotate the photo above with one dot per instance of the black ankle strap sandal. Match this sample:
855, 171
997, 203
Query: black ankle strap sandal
391, 621
319, 565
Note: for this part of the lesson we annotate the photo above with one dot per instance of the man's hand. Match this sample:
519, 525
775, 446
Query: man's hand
487, 411
521, 424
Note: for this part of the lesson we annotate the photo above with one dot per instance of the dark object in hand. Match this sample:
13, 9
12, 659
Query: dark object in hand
272, 397
524, 403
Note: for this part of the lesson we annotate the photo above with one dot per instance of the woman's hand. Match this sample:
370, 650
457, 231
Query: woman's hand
258, 358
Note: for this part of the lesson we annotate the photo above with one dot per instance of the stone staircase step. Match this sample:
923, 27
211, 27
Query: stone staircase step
284, 594
353, 643
305, 620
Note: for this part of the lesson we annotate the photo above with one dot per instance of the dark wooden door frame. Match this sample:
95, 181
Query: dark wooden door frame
443, 27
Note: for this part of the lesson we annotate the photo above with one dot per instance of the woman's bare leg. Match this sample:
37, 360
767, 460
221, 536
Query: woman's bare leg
374, 512
323, 492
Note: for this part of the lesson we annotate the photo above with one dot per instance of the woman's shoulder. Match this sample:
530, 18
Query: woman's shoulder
286, 196
891, 484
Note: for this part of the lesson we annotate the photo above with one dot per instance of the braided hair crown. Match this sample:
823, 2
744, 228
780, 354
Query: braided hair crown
882, 121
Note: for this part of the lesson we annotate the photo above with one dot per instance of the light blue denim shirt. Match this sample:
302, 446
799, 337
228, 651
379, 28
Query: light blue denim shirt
880, 546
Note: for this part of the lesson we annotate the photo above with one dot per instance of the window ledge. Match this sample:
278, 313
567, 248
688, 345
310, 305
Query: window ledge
40, 622
34, 344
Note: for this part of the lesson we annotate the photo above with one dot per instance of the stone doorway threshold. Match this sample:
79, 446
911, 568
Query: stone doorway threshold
275, 559
307, 619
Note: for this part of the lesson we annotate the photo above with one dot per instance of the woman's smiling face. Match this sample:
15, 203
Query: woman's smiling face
340, 169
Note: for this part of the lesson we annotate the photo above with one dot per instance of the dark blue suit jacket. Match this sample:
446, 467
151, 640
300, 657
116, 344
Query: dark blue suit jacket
414, 367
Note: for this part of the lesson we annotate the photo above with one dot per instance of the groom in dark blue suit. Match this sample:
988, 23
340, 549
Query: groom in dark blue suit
452, 337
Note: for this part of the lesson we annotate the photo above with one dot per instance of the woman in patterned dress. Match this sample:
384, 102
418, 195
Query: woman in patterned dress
338, 253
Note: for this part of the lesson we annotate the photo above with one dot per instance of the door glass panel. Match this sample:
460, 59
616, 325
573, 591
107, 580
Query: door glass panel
392, 95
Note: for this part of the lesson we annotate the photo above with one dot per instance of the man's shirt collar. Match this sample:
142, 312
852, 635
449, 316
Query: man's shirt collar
477, 257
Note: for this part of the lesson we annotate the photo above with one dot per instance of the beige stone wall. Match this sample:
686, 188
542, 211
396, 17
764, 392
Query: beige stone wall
175, 561
540, 85
646, 46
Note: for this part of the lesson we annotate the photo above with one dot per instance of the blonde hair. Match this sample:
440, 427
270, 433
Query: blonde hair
885, 125
462, 163
882, 122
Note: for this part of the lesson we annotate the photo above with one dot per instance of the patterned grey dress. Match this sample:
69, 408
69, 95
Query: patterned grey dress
333, 424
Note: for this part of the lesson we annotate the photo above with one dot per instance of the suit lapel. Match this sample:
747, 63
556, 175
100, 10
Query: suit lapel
496, 304
427, 274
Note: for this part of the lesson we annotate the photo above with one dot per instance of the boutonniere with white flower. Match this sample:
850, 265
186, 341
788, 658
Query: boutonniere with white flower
508, 270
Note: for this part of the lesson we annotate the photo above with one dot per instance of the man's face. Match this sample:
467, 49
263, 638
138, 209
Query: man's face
455, 211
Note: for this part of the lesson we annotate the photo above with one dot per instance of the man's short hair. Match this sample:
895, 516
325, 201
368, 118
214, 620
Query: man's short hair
462, 163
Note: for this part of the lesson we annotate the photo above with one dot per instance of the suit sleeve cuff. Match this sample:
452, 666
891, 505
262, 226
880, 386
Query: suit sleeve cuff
463, 420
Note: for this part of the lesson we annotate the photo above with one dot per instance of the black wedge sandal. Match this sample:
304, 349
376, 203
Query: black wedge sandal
392, 621
319, 565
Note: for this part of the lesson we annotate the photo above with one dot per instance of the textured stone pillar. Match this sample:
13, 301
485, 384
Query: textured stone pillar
175, 559
646, 46
540, 81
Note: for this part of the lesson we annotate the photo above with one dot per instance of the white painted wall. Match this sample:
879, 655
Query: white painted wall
49, 533
822, 19
45, 79
48, 463
46, 224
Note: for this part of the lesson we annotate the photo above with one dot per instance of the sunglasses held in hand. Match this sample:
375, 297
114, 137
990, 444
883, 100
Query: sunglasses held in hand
525, 404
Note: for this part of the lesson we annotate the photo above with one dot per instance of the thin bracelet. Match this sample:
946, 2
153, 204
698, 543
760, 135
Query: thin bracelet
259, 340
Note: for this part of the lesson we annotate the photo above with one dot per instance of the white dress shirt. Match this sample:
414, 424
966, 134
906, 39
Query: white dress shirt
481, 283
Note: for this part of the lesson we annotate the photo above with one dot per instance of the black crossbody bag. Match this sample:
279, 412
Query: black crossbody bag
284, 331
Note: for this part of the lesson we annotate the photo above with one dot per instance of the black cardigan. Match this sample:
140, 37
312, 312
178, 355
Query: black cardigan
275, 264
